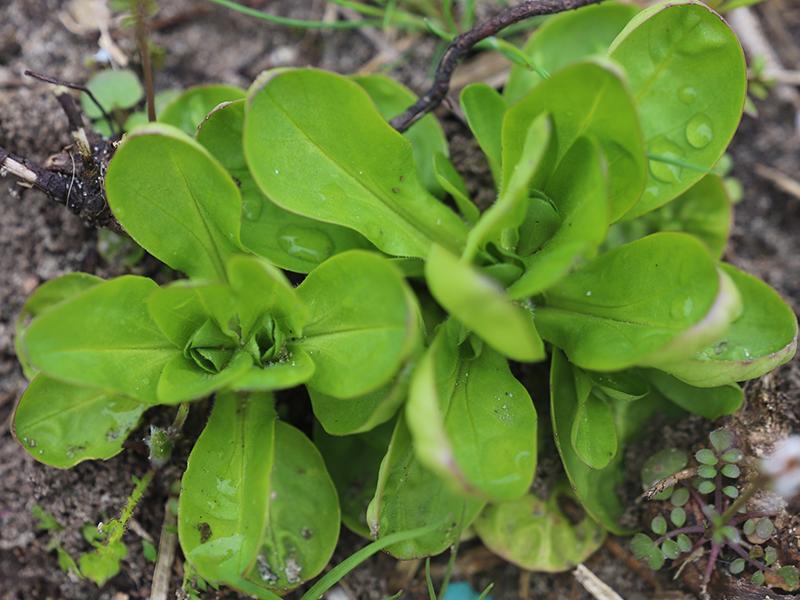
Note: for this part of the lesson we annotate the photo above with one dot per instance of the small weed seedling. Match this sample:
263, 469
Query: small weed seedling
602, 253
709, 510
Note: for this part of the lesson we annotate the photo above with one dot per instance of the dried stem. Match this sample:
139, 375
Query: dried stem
140, 14
462, 44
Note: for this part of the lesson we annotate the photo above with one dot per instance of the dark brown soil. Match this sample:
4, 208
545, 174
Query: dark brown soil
40, 240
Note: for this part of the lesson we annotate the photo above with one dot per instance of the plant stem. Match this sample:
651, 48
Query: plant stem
462, 44
758, 483
144, 52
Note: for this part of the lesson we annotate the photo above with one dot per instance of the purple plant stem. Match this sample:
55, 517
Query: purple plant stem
456, 50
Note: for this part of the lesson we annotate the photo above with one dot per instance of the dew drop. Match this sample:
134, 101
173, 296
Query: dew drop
251, 207
687, 94
699, 132
664, 171
305, 243
682, 307
119, 212
589, 293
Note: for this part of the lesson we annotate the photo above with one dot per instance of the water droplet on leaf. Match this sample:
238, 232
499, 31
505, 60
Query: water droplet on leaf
699, 131
251, 207
305, 243
687, 94
663, 171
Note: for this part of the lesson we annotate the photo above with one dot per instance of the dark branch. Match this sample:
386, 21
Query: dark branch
462, 44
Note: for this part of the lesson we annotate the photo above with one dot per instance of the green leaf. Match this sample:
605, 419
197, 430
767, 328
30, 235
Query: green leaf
46, 295
539, 535
706, 457
287, 240
670, 549
762, 337
684, 543
450, 179
353, 462
678, 517
790, 576
472, 422
187, 111
662, 464
659, 525
360, 414
578, 190
594, 437
758, 578
224, 501
710, 403
292, 367
731, 471
623, 385
596, 489
484, 107
704, 210
362, 323
646, 551
102, 564
195, 227
264, 290
706, 487
481, 305
565, 38
721, 439
183, 307
764, 529
61, 424
733, 455
687, 74
303, 515
357, 170
113, 90
183, 379
649, 302
509, 210
706, 471
408, 496
426, 135
586, 98
47, 521
103, 338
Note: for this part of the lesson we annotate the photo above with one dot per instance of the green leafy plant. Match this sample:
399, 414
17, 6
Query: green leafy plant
710, 509
602, 252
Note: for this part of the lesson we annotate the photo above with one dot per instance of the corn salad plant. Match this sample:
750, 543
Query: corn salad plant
601, 253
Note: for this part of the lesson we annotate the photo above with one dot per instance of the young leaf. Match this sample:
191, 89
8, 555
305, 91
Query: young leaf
762, 337
183, 379
61, 424
710, 403
646, 551
565, 38
598, 91
509, 210
114, 90
472, 422
426, 135
481, 305
484, 107
594, 488
187, 111
287, 240
578, 190
594, 436
362, 323
183, 307
46, 295
649, 302
662, 464
357, 171
538, 535
195, 227
678, 56
103, 338
450, 179
408, 496
264, 290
